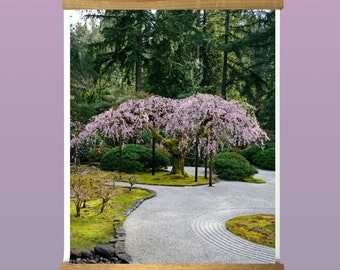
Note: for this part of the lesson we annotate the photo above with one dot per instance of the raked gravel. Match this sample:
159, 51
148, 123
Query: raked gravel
186, 225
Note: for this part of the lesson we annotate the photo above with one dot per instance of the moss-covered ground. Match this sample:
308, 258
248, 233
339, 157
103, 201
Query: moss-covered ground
259, 229
92, 228
167, 179
254, 180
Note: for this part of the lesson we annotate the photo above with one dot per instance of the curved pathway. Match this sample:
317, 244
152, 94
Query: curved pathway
186, 225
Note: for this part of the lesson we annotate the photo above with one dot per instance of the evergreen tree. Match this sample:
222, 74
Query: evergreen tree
125, 44
174, 53
174, 68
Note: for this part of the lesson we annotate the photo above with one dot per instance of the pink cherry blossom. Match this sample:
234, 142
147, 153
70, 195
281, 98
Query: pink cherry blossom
211, 120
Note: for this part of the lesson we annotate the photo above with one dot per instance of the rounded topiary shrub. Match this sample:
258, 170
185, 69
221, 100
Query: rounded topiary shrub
135, 158
232, 166
250, 152
265, 159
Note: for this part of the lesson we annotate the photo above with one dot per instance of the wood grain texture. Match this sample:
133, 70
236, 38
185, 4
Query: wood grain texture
172, 4
67, 266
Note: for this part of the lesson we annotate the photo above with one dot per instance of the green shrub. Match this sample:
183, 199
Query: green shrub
232, 166
190, 159
265, 159
83, 151
135, 158
96, 154
269, 145
249, 153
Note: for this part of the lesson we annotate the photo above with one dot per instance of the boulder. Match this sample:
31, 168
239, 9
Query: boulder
87, 253
104, 251
74, 254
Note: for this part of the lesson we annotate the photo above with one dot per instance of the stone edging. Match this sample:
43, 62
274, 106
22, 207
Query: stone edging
119, 240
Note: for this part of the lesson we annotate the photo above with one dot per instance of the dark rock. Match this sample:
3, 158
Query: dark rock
74, 254
114, 259
105, 251
124, 257
79, 260
92, 262
87, 253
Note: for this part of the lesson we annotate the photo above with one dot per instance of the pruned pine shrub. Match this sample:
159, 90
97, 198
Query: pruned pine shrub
232, 166
135, 158
265, 159
250, 152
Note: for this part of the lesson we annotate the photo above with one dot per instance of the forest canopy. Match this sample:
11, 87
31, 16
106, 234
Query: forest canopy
121, 55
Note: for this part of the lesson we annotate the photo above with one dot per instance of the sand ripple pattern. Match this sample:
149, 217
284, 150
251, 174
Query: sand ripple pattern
211, 228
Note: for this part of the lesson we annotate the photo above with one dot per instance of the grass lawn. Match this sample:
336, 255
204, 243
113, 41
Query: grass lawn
93, 228
259, 229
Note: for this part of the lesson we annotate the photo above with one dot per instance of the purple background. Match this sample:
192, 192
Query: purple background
31, 140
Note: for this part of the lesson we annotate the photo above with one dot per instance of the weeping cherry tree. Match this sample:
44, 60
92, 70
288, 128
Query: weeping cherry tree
203, 119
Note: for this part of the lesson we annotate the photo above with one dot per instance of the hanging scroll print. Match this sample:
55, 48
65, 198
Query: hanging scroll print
173, 151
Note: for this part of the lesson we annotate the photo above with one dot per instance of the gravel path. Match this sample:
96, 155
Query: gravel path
186, 225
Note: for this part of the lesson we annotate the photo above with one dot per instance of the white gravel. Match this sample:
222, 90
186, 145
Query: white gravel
185, 225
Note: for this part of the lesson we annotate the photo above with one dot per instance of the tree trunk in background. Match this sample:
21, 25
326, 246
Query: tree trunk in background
198, 47
206, 164
153, 155
210, 171
120, 154
139, 52
225, 56
78, 207
138, 76
196, 159
204, 52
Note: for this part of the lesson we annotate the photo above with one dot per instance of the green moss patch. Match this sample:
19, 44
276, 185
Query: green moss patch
92, 228
254, 180
259, 229
167, 179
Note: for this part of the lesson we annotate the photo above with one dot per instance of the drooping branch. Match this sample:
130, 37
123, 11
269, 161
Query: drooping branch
204, 120
172, 144
177, 156
156, 135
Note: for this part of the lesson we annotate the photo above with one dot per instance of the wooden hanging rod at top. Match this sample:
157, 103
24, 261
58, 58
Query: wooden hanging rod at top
172, 4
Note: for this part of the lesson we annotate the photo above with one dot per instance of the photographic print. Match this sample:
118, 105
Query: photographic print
173, 151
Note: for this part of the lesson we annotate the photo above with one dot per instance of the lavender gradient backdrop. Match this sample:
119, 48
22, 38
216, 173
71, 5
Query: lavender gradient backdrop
31, 140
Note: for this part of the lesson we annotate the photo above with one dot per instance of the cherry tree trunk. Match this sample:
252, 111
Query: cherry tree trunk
78, 211
177, 163
177, 157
